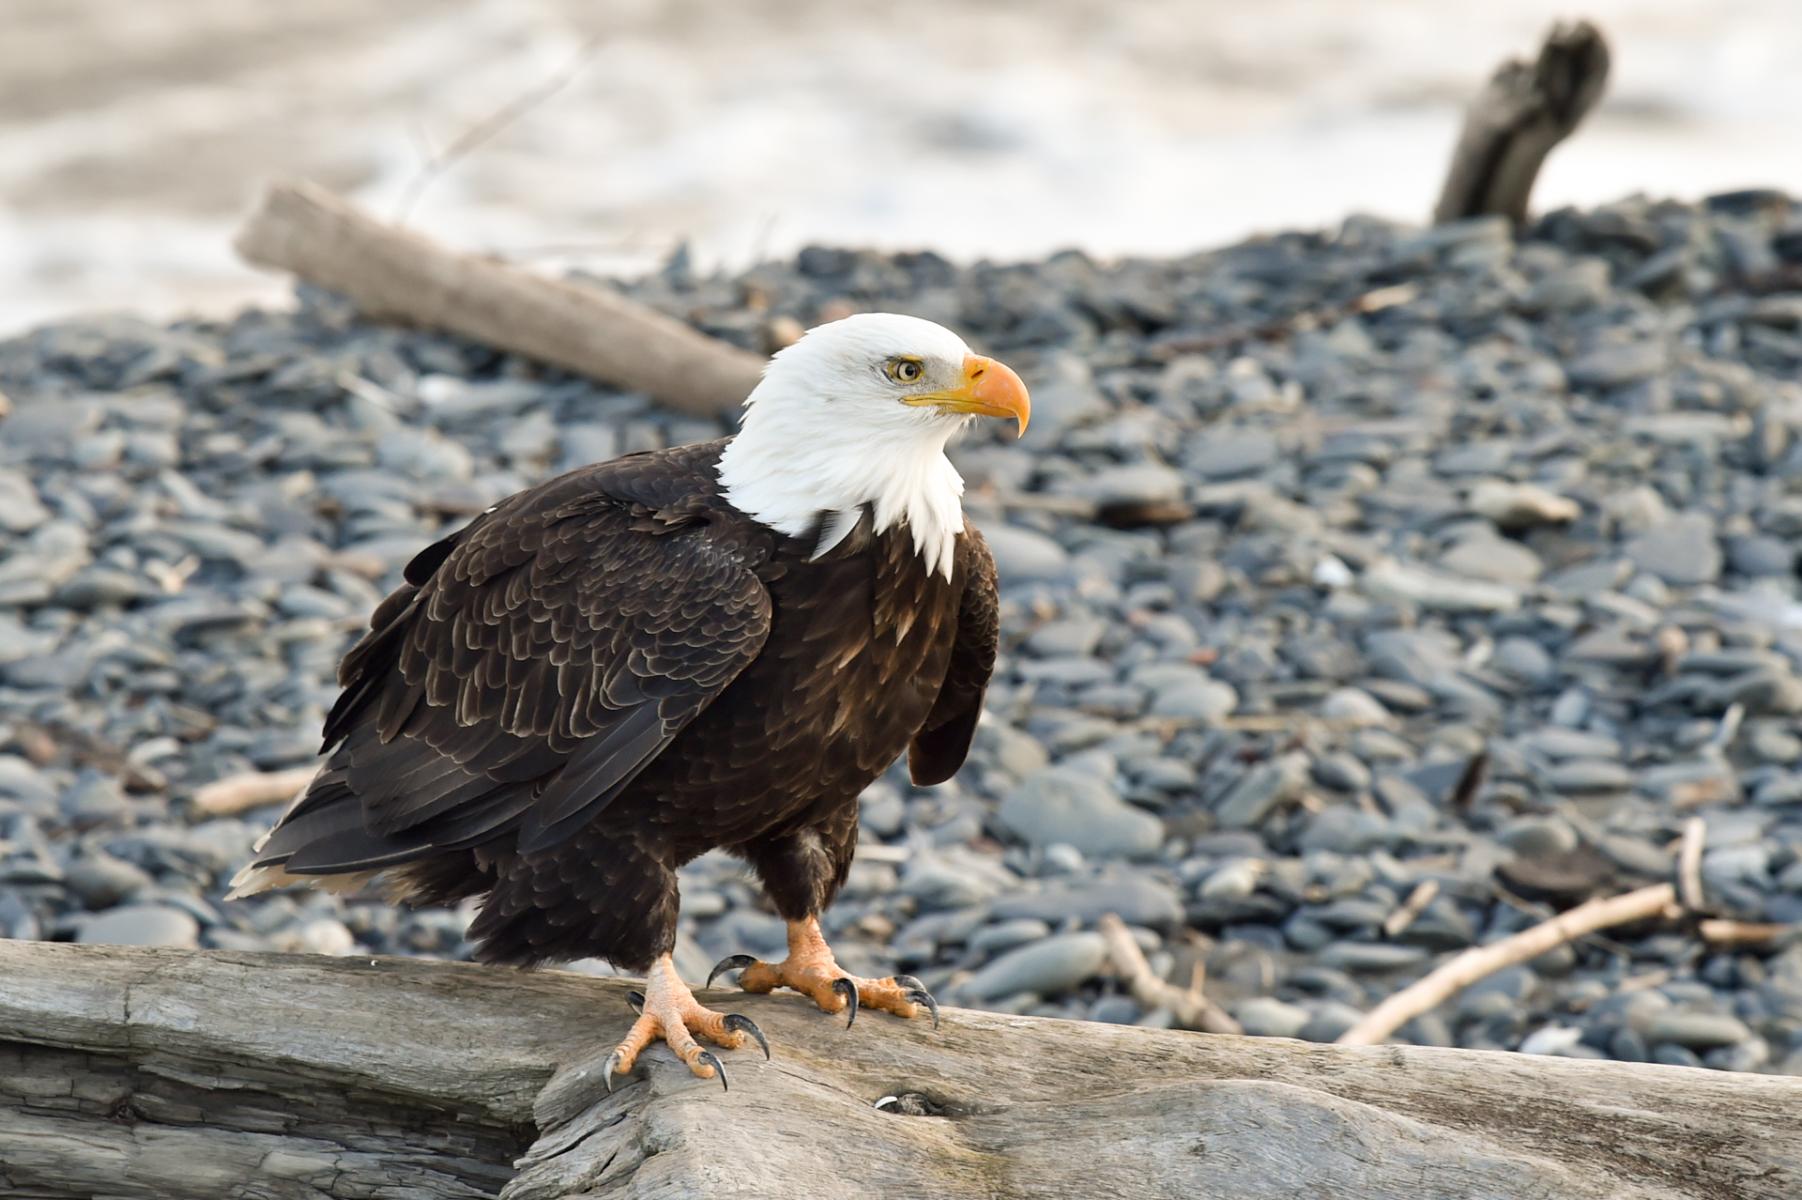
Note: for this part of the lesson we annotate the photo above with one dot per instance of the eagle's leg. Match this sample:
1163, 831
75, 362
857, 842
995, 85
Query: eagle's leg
668, 1010
811, 970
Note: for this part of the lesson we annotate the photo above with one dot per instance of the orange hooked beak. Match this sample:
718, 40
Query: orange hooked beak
989, 389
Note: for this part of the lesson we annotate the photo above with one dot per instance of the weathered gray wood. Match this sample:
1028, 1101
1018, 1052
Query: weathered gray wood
145, 1073
590, 329
1526, 109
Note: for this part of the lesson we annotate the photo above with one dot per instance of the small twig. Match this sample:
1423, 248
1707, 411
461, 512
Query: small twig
1719, 931
1471, 781
489, 127
1448, 980
1729, 726
1408, 910
240, 793
1689, 864
1656, 977
1191, 1008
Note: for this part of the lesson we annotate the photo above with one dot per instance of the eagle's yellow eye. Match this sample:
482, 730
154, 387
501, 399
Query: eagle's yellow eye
903, 370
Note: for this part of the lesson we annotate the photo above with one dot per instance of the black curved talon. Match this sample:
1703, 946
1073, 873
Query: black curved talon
612, 1065
731, 962
713, 1060
636, 1000
917, 994
739, 1023
848, 990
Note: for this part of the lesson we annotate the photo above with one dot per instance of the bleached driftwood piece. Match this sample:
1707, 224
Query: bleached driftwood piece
1525, 109
241, 793
587, 328
136, 1073
1479, 962
1190, 1006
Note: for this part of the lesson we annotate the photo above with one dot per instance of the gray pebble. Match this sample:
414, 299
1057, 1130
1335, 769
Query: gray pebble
1044, 968
141, 925
1059, 804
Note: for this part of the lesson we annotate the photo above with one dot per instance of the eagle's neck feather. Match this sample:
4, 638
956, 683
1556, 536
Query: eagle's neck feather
784, 473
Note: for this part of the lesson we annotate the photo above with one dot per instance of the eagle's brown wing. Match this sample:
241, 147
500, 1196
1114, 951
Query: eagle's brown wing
531, 667
938, 749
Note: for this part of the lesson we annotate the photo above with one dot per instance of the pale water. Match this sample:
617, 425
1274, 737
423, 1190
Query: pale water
132, 135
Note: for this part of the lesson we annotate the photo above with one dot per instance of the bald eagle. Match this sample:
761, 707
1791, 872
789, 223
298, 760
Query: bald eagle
717, 645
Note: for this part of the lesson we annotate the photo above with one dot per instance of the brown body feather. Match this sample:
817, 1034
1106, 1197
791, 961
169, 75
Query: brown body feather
616, 671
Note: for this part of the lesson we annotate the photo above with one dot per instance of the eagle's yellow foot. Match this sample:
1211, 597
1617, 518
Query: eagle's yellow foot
668, 1010
811, 970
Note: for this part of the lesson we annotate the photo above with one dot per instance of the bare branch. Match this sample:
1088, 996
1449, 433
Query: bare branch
1479, 962
1192, 1009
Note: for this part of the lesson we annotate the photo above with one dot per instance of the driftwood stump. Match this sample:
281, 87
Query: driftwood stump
1526, 109
132, 1073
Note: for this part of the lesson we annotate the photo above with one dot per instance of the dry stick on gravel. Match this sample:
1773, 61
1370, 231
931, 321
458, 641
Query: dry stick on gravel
586, 328
1408, 910
240, 793
1478, 962
1192, 1009
1718, 931
1689, 864
1524, 111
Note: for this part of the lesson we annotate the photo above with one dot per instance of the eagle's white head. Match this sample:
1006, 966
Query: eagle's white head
858, 412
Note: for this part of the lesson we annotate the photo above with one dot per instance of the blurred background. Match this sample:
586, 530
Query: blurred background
133, 135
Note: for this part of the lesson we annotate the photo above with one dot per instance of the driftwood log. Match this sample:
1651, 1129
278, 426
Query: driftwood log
393, 273
1526, 109
131, 1073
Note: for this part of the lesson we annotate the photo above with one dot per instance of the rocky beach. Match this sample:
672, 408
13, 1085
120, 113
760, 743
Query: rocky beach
1368, 594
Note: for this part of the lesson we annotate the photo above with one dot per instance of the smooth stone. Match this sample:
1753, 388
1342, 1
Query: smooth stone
1682, 551
1524, 659
1371, 956
1202, 700
1761, 556
1609, 367
1232, 454
1346, 830
1330, 1019
1136, 483
1266, 1016
1356, 708
1045, 968
1436, 590
101, 881
1061, 804
1135, 899
24, 783
1262, 790
1021, 554
1518, 506
1534, 836
1342, 772
1588, 776
1494, 559
141, 925
1234, 879
1696, 1031
1074, 636
994, 939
